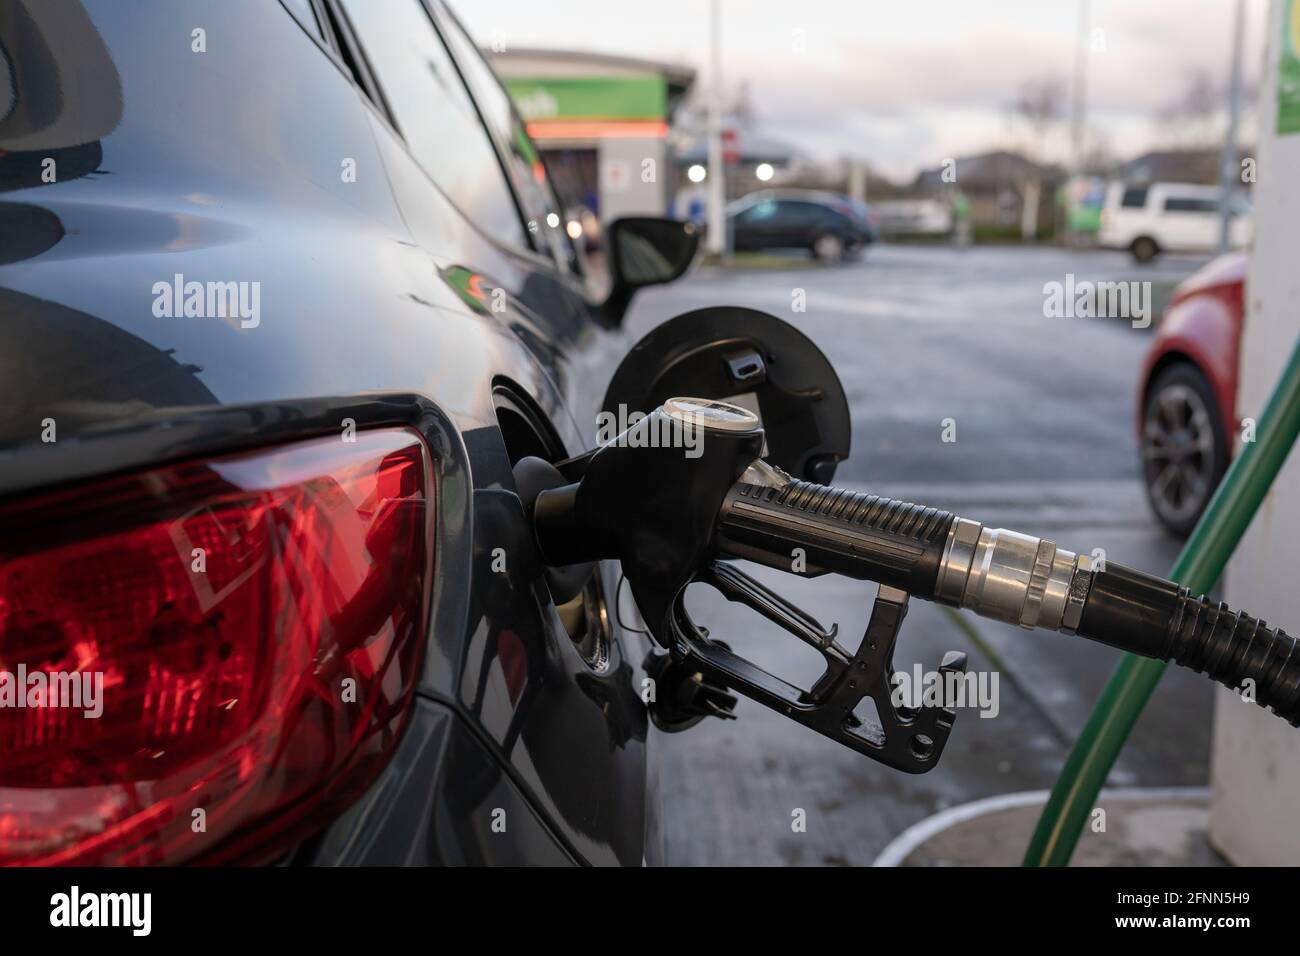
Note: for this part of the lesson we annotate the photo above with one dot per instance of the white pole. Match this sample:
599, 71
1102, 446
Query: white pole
1078, 130
1228, 164
1078, 119
717, 218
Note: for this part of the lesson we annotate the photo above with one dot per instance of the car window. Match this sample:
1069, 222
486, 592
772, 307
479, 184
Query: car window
1188, 204
527, 171
802, 213
1135, 197
304, 11
434, 112
834, 215
758, 212
7, 98
787, 213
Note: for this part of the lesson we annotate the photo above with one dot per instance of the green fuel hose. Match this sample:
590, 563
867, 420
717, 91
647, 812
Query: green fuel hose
1135, 678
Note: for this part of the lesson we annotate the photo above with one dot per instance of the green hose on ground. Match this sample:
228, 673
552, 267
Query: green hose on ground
1198, 567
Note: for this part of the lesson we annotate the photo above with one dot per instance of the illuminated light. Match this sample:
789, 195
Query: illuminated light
552, 220
474, 286
764, 171
255, 622
696, 173
597, 129
574, 229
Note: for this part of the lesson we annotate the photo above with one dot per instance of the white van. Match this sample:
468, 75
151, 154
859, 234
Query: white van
1152, 218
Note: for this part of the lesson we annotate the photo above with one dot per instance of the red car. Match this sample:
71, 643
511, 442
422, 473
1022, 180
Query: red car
1187, 413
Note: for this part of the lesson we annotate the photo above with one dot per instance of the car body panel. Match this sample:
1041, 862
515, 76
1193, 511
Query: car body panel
225, 166
1202, 326
453, 819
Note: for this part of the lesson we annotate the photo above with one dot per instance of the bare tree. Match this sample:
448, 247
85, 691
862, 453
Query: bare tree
741, 106
1191, 119
1099, 156
1038, 107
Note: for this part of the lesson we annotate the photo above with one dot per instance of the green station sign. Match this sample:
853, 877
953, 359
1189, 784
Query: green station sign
590, 98
1288, 80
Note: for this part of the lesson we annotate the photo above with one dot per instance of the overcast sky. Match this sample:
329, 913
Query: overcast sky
907, 83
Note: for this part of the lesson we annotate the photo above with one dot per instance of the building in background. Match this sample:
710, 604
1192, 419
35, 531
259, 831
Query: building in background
603, 123
996, 185
1176, 166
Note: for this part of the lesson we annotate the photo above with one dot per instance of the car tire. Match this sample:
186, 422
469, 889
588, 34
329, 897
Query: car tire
1144, 249
1183, 449
828, 247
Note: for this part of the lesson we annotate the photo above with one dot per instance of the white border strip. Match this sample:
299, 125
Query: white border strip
902, 846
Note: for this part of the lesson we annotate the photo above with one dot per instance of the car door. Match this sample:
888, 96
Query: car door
797, 223
833, 221
550, 685
1191, 222
755, 226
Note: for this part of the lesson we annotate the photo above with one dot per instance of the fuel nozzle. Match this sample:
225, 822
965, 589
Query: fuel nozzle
683, 490
1007, 576
653, 498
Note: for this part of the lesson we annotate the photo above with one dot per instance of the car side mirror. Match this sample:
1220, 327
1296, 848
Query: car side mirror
644, 251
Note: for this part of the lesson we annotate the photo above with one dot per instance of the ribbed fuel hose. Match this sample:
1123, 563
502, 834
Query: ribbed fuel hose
1156, 618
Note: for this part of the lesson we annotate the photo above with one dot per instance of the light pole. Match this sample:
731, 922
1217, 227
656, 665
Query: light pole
1228, 164
716, 238
1079, 99
1078, 120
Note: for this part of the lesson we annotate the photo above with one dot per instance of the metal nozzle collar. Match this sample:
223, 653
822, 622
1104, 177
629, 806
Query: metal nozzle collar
1012, 577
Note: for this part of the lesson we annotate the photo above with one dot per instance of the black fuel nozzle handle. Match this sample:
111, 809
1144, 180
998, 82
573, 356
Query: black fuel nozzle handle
650, 498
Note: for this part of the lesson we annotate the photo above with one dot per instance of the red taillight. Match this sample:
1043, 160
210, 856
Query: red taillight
254, 623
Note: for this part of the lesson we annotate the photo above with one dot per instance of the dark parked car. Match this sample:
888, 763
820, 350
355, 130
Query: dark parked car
284, 295
828, 226
1187, 414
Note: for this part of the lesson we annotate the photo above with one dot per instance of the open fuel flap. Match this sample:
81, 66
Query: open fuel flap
751, 359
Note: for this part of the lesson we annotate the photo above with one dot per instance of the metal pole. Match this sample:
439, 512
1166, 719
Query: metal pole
1077, 119
716, 237
1228, 172
1077, 124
